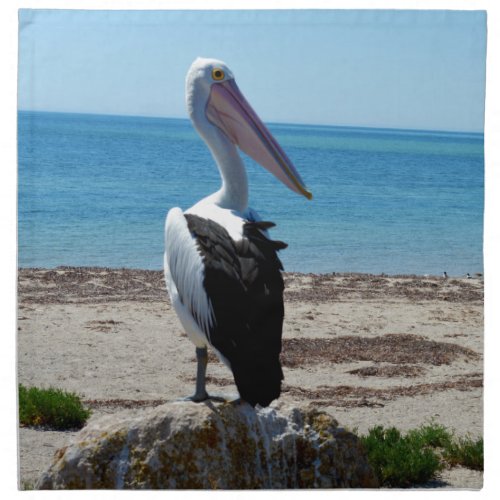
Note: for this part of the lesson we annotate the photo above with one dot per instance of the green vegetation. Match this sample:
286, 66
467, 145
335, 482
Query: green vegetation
465, 452
418, 456
400, 461
52, 408
433, 435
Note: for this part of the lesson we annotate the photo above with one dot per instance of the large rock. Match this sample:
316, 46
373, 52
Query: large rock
186, 445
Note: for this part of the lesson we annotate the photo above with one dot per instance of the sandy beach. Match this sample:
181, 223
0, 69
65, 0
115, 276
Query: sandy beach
370, 350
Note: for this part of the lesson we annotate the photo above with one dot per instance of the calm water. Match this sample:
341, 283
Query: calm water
94, 191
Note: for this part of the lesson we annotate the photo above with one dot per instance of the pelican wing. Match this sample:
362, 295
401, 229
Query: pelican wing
243, 282
184, 274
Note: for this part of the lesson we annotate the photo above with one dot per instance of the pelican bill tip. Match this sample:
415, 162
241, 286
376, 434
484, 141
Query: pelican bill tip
308, 194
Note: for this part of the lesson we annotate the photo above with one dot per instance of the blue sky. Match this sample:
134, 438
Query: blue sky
402, 69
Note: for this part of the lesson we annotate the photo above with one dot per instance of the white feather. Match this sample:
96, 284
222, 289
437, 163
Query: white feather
184, 274
231, 220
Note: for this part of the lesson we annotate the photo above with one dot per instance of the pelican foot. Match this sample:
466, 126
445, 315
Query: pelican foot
219, 399
199, 398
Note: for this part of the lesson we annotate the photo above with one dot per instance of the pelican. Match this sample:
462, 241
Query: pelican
222, 270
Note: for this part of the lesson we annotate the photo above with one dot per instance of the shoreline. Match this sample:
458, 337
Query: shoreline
92, 284
285, 272
368, 349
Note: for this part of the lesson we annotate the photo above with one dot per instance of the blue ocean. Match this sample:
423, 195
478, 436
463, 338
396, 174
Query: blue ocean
94, 190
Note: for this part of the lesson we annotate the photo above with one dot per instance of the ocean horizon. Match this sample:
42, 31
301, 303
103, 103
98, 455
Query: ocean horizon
269, 123
94, 190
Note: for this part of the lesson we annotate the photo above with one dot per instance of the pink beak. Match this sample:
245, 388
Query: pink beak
228, 109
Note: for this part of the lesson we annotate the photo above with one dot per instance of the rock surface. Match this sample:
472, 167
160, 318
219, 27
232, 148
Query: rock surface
206, 446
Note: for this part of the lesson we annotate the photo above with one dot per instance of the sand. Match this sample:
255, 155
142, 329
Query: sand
370, 350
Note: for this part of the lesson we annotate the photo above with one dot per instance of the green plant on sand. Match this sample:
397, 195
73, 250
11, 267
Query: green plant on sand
465, 452
418, 456
52, 408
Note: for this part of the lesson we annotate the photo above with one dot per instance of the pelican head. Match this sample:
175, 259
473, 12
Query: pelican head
216, 105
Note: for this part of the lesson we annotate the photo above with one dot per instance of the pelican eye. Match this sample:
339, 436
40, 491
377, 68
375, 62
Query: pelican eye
217, 74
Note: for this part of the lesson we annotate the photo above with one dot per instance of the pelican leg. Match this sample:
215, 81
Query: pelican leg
201, 393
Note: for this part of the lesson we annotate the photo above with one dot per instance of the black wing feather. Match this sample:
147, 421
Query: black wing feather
244, 282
